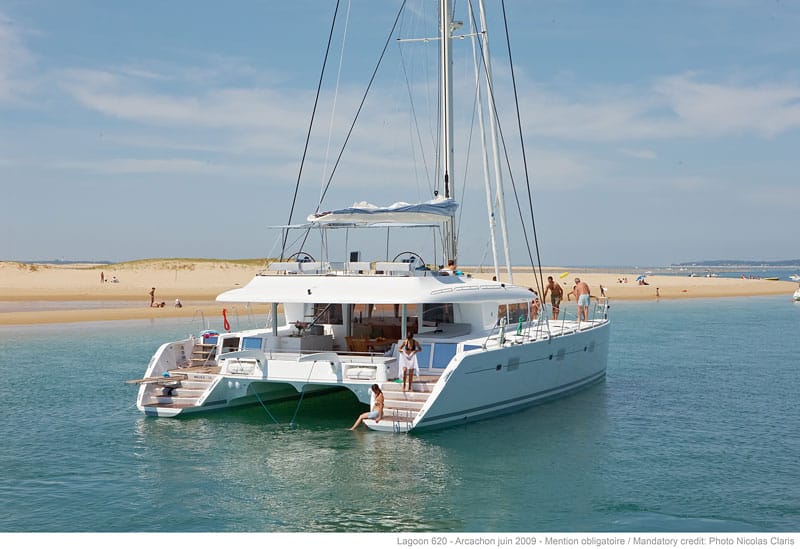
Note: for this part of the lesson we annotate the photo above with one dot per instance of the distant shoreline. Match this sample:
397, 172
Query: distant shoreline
197, 283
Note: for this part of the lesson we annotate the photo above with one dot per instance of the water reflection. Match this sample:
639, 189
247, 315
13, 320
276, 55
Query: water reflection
318, 476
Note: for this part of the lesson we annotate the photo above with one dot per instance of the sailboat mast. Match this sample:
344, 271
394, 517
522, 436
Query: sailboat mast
484, 156
446, 64
498, 173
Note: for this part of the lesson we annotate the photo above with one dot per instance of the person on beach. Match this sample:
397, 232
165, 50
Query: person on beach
377, 408
556, 294
582, 296
102, 277
178, 303
152, 296
408, 360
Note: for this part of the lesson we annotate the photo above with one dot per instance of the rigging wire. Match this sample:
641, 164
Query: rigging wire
540, 280
335, 96
493, 106
310, 126
415, 121
355, 118
475, 107
361, 105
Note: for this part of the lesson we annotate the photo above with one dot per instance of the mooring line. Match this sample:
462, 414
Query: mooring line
265, 408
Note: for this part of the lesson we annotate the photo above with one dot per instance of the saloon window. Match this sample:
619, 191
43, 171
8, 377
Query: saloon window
513, 312
328, 313
440, 313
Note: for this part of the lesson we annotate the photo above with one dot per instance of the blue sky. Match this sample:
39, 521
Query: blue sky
656, 132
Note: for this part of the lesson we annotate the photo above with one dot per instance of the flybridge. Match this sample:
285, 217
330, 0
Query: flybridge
384, 283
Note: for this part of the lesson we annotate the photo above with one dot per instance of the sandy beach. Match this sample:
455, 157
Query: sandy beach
45, 293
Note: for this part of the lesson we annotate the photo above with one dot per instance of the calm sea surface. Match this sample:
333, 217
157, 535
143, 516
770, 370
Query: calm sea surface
696, 428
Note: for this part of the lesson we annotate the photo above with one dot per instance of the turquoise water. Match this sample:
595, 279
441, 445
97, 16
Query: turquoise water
696, 428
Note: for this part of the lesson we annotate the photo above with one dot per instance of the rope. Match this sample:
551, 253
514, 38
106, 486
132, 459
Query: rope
265, 408
303, 391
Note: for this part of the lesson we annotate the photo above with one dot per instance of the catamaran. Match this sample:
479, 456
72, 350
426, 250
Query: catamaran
487, 347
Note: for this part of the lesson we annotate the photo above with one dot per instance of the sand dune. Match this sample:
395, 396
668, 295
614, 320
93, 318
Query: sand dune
40, 293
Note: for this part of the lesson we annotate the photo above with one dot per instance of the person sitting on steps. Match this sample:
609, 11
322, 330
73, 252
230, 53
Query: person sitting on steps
377, 409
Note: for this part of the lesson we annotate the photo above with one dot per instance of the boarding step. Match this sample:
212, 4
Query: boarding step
400, 416
180, 405
197, 361
399, 394
402, 407
201, 369
408, 402
166, 400
182, 393
418, 387
398, 423
202, 353
195, 385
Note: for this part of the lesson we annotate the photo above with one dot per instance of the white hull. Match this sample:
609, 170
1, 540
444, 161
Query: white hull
475, 384
796, 295
485, 384
172, 386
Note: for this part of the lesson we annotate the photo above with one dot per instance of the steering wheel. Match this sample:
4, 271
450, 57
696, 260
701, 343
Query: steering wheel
301, 257
413, 258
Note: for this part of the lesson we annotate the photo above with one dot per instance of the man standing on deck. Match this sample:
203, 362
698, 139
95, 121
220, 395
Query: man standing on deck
582, 295
556, 293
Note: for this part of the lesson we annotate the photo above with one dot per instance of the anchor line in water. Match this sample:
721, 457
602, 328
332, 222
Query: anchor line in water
303, 390
266, 409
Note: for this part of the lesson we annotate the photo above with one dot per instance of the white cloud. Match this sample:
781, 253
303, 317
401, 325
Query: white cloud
15, 61
122, 166
678, 106
717, 109
220, 109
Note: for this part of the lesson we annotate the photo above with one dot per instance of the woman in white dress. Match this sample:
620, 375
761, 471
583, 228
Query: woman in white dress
408, 360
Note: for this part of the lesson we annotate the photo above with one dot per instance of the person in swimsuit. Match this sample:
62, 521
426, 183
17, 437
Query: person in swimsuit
408, 360
556, 293
583, 295
377, 408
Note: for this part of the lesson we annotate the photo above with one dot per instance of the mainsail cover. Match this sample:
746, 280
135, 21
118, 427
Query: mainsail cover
363, 213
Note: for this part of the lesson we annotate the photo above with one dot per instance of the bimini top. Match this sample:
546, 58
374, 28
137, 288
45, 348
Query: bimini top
377, 289
365, 214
